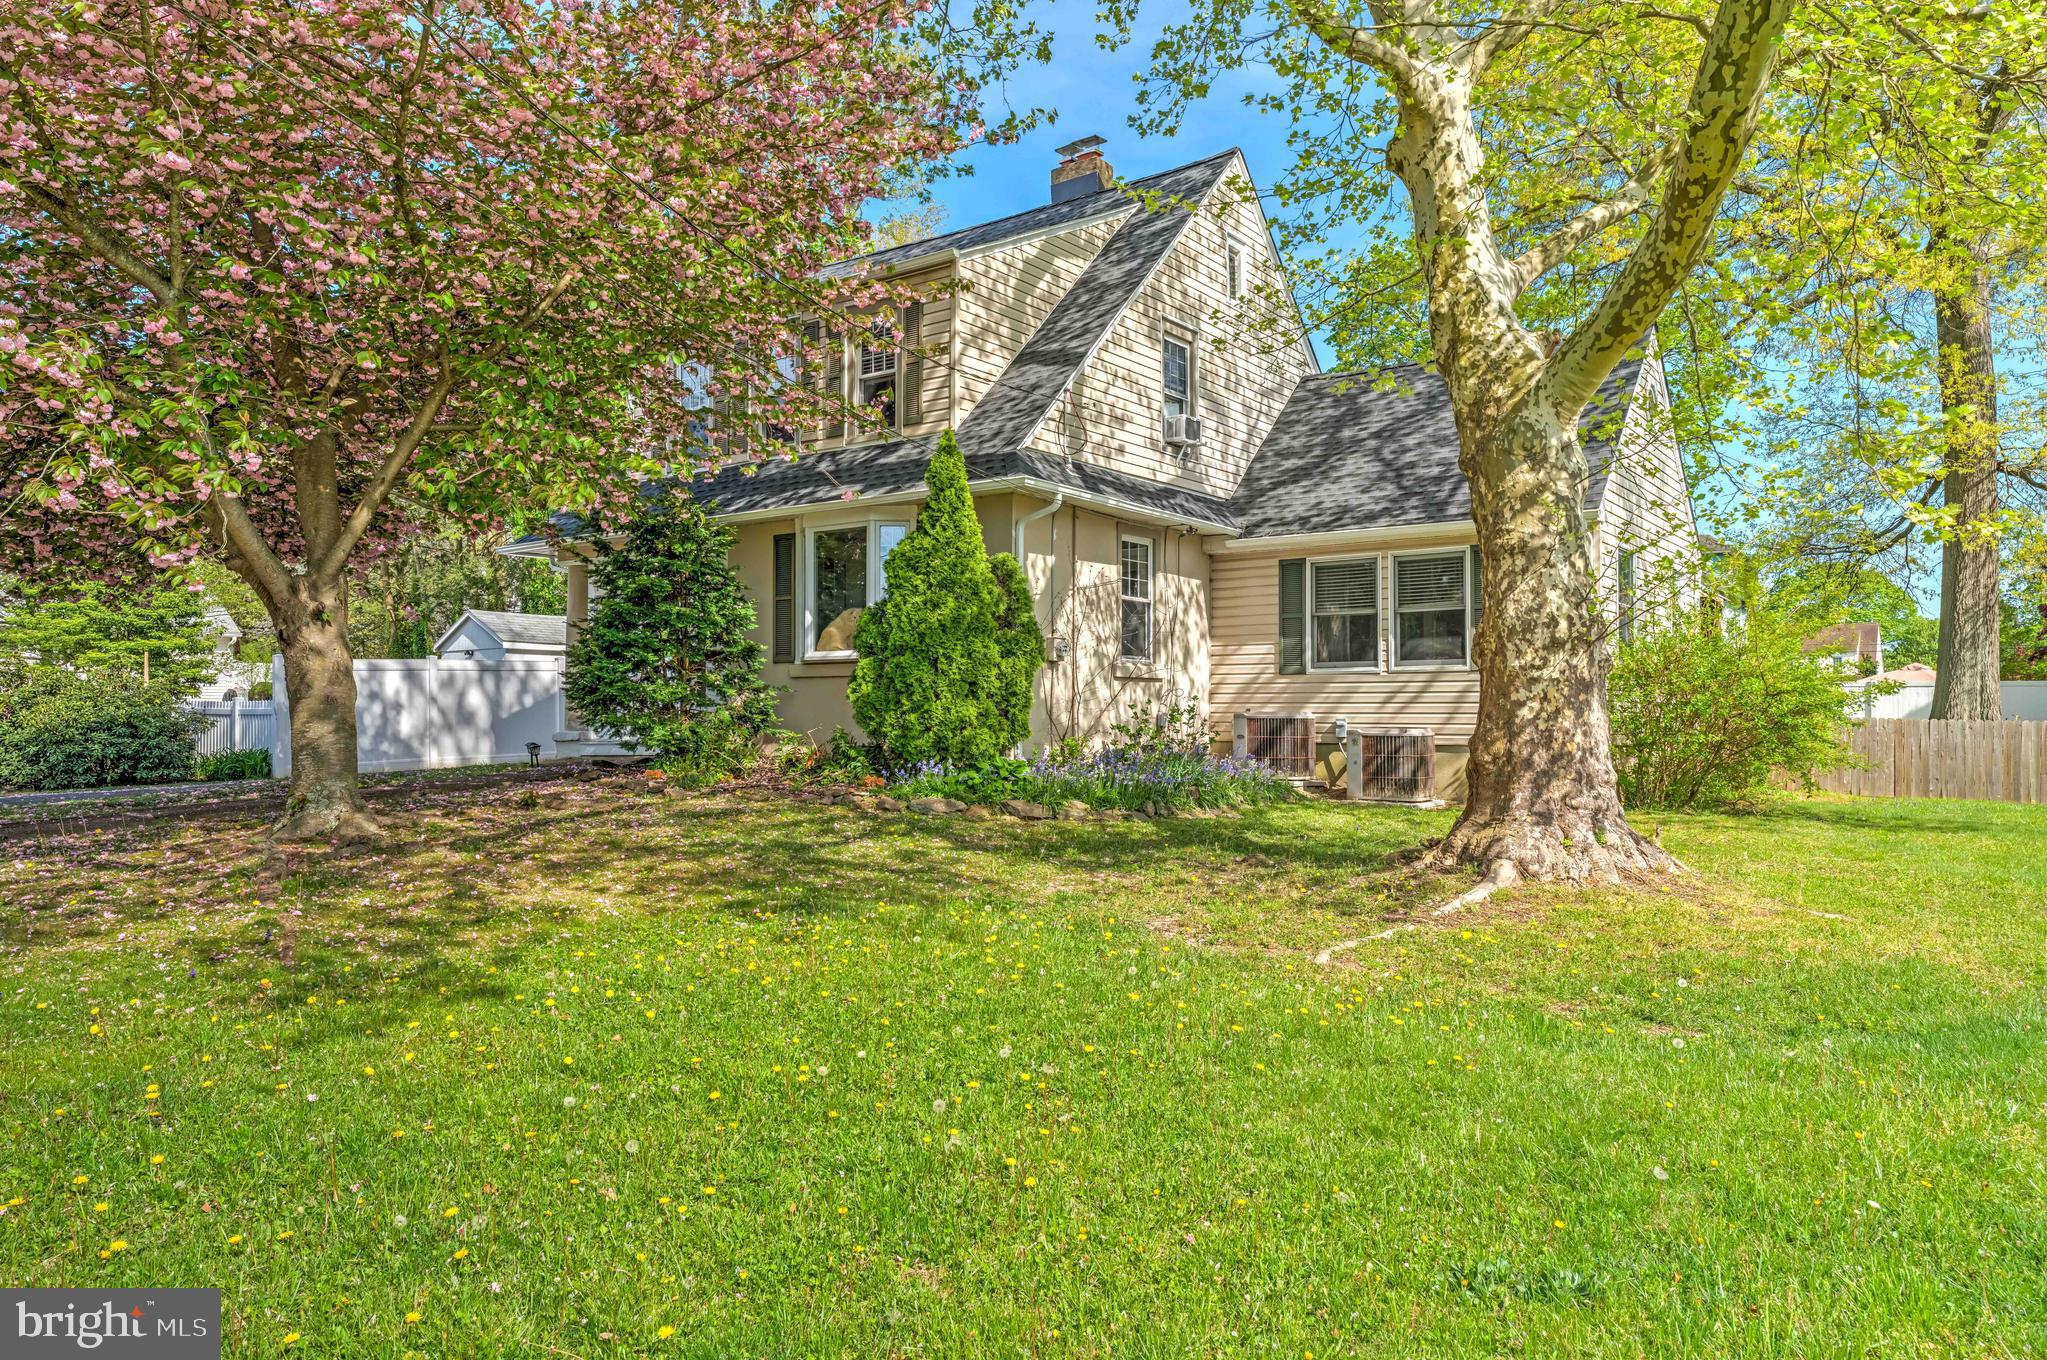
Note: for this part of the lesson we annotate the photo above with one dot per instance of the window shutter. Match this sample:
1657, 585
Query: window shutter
785, 598
910, 388
834, 379
1430, 582
1293, 616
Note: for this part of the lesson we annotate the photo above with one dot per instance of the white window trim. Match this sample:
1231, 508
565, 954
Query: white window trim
810, 528
1236, 290
1391, 584
1174, 335
1378, 663
1151, 632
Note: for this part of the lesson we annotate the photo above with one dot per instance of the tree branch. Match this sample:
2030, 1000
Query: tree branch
1358, 44
1733, 72
1504, 34
1546, 255
103, 243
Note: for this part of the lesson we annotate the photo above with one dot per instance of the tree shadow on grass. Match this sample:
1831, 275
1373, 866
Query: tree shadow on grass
472, 880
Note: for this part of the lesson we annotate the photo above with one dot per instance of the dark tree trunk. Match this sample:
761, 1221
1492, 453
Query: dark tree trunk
1968, 663
1541, 801
325, 801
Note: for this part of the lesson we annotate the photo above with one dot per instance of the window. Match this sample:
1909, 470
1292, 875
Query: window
838, 559
877, 374
1345, 605
845, 573
1179, 377
1430, 609
1136, 591
1234, 268
1627, 601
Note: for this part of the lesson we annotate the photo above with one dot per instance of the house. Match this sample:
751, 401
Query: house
1857, 648
231, 677
1202, 513
494, 634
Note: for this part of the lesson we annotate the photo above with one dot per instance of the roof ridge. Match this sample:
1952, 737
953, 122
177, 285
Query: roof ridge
1107, 208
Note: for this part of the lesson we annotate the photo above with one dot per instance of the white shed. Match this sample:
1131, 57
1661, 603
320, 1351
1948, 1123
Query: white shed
494, 634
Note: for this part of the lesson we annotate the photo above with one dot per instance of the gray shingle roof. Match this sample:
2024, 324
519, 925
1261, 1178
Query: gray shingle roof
987, 235
524, 630
1379, 449
1011, 411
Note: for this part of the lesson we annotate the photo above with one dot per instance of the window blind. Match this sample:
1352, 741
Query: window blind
1346, 587
1430, 582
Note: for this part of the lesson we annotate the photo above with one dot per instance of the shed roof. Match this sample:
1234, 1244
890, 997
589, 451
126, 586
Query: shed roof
514, 630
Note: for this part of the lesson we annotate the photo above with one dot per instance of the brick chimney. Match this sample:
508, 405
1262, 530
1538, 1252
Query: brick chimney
1083, 172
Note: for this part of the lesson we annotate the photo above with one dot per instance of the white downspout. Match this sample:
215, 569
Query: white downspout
1051, 571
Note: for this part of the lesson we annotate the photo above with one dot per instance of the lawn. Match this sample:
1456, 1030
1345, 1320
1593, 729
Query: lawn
584, 1070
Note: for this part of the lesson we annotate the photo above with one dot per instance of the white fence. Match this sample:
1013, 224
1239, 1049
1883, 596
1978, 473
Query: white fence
238, 725
442, 711
2024, 700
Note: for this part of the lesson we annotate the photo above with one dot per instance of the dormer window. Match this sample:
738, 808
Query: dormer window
877, 371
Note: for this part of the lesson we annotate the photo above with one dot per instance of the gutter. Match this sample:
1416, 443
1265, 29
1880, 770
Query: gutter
1051, 507
1448, 530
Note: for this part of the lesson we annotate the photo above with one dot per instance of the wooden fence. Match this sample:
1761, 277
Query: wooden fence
1946, 758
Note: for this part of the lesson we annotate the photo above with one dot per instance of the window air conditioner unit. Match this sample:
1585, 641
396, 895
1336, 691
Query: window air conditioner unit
1183, 429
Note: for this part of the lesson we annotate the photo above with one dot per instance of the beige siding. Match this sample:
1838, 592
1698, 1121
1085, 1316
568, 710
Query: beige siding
938, 347
814, 698
1244, 674
1647, 506
1007, 294
1113, 413
1080, 595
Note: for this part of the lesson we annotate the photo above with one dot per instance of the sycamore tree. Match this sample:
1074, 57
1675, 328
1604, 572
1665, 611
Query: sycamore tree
1519, 141
286, 285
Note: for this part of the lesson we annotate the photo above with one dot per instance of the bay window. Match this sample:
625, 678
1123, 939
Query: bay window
845, 573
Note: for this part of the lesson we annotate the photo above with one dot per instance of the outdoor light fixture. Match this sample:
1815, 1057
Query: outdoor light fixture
533, 753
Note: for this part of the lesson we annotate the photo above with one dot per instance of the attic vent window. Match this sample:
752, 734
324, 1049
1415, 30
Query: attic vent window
1233, 266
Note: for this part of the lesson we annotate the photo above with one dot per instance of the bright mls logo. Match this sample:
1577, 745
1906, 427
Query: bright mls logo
119, 1324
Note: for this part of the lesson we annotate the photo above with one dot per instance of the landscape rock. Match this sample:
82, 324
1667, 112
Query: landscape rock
932, 807
1029, 811
888, 804
1072, 810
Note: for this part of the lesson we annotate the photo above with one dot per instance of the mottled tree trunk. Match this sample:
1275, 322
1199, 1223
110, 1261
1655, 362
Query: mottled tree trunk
1541, 798
325, 802
1969, 659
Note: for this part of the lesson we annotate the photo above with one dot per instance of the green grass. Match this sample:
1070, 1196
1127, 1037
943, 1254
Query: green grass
795, 1080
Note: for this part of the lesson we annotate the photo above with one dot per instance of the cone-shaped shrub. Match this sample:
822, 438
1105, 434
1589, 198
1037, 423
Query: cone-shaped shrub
667, 660
944, 673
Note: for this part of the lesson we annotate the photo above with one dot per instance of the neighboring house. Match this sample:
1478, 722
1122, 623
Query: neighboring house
231, 677
1201, 515
1857, 648
494, 634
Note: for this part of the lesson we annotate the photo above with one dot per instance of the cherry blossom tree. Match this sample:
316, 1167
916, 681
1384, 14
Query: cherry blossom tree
287, 282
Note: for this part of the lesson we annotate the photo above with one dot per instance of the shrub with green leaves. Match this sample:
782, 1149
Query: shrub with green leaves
66, 729
237, 764
949, 657
667, 661
1702, 719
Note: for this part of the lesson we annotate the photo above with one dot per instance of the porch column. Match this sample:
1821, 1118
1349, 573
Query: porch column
578, 615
